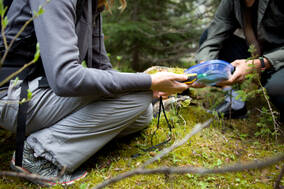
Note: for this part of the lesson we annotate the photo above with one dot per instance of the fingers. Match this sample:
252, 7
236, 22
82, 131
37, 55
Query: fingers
179, 77
235, 63
238, 75
164, 95
234, 77
223, 83
168, 82
197, 85
179, 86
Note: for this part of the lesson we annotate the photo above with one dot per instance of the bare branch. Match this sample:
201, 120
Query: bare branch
3, 34
26, 176
16, 73
194, 170
197, 128
278, 180
13, 40
17, 35
30, 176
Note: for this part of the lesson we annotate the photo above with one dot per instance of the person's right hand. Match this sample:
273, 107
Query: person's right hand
168, 82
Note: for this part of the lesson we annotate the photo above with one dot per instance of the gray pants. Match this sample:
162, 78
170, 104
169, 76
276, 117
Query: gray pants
68, 131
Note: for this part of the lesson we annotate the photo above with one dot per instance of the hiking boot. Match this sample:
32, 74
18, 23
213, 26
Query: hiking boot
44, 168
225, 110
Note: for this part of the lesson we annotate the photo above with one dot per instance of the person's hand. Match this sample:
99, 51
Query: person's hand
158, 94
242, 68
197, 85
167, 83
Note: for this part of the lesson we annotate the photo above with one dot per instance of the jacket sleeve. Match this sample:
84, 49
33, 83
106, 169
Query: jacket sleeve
276, 58
223, 25
55, 32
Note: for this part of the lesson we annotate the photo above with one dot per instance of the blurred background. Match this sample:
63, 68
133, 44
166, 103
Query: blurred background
156, 32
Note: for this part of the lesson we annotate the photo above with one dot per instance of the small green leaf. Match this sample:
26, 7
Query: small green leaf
84, 186
84, 64
40, 11
5, 22
29, 95
189, 175
118, 58
2, 9
23, 100
16, 81
219, 162
37, 53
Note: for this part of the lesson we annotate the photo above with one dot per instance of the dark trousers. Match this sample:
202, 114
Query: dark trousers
236, 48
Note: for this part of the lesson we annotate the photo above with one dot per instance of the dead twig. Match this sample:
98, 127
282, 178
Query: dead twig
29, 176
197, 128
26, 176
278, 180
194, 170
16, 73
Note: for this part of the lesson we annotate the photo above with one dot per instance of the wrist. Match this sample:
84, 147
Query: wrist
265, 64
152, 82
261, 63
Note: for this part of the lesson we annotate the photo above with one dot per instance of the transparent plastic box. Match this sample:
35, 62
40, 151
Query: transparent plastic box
211, 72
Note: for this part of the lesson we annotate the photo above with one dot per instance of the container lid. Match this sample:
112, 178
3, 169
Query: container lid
212, 71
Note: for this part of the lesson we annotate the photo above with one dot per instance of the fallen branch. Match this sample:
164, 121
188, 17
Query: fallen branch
194, 170
197, 128
278, 180
30, 176
26, 176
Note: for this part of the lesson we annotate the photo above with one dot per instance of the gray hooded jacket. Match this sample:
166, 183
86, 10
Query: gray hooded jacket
64, 45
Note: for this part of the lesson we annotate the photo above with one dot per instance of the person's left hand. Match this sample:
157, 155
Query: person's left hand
242, 68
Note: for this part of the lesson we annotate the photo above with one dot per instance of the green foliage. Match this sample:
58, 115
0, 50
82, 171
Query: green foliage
16, 80
84, 186
37, 53
265, 124
39, 12
28, 98
156, 33
4, 20
29, 95
84, 64
2, 9
251, 89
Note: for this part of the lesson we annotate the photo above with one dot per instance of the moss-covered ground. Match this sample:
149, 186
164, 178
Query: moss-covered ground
224, 142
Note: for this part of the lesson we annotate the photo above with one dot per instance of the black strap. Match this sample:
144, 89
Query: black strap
157, 146
91, 7
90, 33
79, 9
21, 121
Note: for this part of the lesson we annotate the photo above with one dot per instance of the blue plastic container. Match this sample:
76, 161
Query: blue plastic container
211, 72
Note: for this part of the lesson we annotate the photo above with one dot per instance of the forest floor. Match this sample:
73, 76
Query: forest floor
224, 142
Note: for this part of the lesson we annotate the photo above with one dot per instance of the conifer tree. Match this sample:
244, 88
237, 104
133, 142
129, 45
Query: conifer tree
156, 32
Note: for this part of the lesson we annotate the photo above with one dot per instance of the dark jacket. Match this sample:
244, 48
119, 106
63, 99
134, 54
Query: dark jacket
229, 17
64, 45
